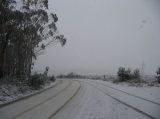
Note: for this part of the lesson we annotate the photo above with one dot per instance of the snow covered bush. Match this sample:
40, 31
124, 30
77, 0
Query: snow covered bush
158, 74
53, 78
125, 75
46, 70
136, 74
36, 81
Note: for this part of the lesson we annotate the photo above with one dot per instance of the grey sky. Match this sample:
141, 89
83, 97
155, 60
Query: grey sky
104, 35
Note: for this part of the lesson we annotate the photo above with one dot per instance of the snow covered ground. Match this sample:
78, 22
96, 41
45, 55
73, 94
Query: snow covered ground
142, 99
11, 92
148, 92
96, 101
43, 105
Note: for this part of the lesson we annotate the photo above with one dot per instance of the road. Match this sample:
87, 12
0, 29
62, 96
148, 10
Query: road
82, 99
44, 105
96, 101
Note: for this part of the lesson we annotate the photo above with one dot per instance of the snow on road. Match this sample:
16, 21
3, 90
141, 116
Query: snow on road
91, 103
148, 92
40, 106
138, 103
94, 100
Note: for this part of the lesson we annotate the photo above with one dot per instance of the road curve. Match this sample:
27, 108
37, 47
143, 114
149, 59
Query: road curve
91, 102
43, 105
81, 99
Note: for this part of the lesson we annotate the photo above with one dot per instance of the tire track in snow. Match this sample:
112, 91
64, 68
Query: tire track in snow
20, 114
130, 94
122, 102
53, 114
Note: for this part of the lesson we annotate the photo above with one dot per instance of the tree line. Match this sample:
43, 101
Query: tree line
26, 28
127, 74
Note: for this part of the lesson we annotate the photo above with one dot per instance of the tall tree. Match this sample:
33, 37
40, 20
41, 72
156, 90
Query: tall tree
25, 30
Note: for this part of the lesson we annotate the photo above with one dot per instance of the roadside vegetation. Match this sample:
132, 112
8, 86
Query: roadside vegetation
127, 74
12, 88
26, 29
135, 78
124, 75
158, 74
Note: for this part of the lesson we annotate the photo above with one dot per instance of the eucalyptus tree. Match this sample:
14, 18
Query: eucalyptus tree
9, 22
26, 28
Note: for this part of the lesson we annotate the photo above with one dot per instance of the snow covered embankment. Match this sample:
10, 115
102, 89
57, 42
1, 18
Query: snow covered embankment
10, 93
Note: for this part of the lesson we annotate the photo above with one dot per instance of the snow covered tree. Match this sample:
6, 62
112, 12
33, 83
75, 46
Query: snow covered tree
125, 75
121, 73
158, 74
26, 28
136, 74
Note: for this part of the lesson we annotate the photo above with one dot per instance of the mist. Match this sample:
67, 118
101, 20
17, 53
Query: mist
103, 35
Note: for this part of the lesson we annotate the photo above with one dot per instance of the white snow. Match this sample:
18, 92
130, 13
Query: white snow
139, 102
9, 92
90, 103
148, 92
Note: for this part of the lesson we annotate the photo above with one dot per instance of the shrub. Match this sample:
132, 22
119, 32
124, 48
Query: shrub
121, 73
46, 71
53, 78
124, 74
115, 81
128, 74
36, 81
136, 74
158, 74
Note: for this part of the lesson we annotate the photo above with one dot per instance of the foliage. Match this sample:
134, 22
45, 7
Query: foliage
36, 81
72, 75
46, 71
53, 78
136, 74
25, 31
158, 74
125, 75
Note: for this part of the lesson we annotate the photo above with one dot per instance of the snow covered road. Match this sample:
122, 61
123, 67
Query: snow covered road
86, 99
140, 104
96, 101
41, 106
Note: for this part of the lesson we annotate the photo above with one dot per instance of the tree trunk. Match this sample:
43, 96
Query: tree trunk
2, 54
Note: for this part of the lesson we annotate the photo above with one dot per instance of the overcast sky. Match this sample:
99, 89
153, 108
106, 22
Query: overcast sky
103, 35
